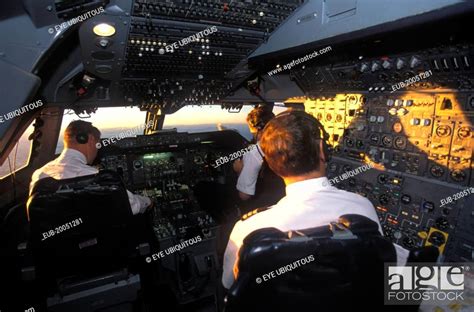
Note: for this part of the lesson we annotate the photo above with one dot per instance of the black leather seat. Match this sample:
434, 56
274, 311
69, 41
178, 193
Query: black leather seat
347, 271
100, 243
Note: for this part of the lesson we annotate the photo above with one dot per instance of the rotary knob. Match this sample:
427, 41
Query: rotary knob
364, 67
375, 66
400, 63
387, 64
414, 62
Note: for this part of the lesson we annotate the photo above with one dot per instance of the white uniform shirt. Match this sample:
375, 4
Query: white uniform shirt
252, 163
71, 164
307, 204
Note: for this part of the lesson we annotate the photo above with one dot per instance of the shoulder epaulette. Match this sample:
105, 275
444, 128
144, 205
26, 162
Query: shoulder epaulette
253, 212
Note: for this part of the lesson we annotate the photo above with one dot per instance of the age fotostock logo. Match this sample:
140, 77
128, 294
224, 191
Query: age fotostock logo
436, 284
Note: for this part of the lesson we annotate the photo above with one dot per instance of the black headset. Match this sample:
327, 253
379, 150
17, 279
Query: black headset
323, 135
260, 124
83, 137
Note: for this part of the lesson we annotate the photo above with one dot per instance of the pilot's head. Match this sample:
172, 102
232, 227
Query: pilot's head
293, 146
82, 136
257, 119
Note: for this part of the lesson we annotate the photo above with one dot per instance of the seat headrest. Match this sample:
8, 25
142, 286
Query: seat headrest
344, 253
103, 178
104, 183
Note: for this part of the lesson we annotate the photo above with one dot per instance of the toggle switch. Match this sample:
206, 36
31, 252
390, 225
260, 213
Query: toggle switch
415, 121
402, 111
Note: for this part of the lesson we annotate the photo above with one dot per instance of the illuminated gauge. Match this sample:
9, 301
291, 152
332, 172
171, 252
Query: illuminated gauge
328, 117
464, 132
437, 171
396, 181
332, 167
387, 140
349, 142
137, 164
384, 199
319, 116
397, 127
443, 131
382, 178
458, 175
400, 142
352, 100
374, 139
359, 144
339, 118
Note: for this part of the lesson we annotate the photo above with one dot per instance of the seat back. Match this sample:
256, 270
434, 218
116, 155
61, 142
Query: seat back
79, 225
347, 270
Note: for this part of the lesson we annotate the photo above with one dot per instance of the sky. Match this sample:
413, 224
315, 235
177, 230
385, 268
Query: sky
129, 117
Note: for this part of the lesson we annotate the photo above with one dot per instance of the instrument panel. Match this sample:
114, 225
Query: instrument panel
167, 167
170, 168
420, 143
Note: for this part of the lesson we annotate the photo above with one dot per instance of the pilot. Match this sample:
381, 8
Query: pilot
256, 180
80, 139
295, 149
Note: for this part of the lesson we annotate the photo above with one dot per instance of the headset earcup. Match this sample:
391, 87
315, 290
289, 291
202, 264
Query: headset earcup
260, 125
82, 138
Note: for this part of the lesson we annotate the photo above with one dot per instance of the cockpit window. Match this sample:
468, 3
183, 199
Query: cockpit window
109, 120
113, 120
211, 118
19, 155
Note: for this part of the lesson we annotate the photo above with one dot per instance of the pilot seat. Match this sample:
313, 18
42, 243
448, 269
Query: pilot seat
343, 269
83, 243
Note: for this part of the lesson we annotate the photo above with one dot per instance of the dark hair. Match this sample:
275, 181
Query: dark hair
80, 127
291, 143
259, 117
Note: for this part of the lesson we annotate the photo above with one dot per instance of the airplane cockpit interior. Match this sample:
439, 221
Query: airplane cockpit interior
125, 132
